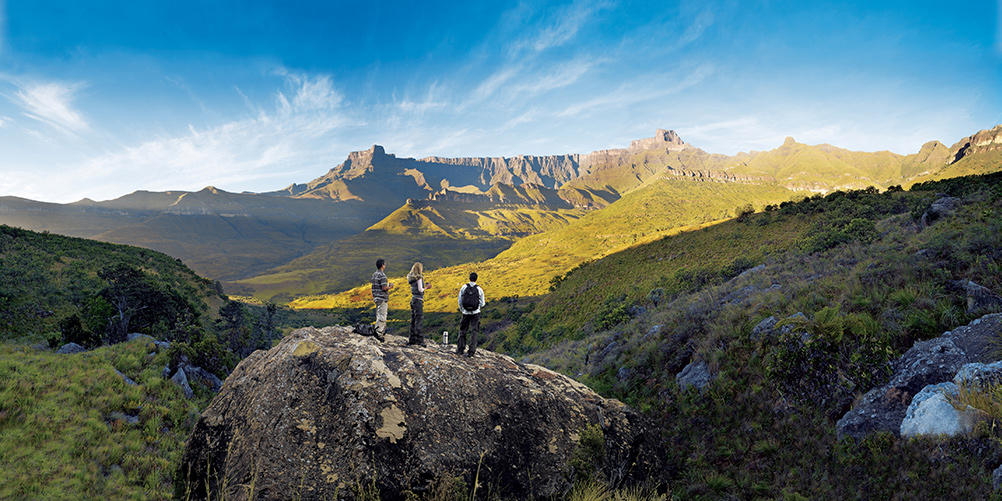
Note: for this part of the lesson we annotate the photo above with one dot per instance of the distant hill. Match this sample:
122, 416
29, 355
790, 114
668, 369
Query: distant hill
254, 240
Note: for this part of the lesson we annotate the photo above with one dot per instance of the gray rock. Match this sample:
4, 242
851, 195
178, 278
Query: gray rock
325, 408
203, 377
978, 374
764, 328
792, 322
128, 381
750, 271
70, 348
121, 416
979, 338
182, 382
136, 335
997, 478
636, 311
944, 207
927, 362
738, 295
979, 297
653, 331
930, 413
166, 372
695, 374
624, 373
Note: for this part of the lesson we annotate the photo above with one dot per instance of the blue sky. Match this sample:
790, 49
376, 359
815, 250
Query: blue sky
102, 98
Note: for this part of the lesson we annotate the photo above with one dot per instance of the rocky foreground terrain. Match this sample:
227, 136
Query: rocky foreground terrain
327, 411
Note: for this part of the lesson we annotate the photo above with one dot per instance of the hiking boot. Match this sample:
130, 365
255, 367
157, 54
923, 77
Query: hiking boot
380, 337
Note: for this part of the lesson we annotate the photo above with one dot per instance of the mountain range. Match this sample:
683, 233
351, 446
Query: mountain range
321, 236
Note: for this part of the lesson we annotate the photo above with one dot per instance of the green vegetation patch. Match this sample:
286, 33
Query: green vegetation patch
72, 428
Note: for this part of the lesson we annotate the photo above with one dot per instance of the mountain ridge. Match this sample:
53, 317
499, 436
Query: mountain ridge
225, 235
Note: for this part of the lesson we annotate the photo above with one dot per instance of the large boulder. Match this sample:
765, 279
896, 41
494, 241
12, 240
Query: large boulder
326, 411
926, 363
941, 208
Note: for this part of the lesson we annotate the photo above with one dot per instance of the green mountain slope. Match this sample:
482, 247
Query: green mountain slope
45, 279
661, 207
866, 279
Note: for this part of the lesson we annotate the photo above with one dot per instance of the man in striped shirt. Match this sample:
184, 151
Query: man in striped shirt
381, 296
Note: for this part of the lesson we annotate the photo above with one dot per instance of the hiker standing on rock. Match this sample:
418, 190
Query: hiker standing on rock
381, 296
471, 299
418, 286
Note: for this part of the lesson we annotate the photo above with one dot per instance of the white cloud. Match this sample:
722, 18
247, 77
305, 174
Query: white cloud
295, 137
52, 104
659, 87
568, 22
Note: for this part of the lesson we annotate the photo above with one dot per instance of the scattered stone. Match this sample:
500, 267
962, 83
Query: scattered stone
325, 408
70, 348
979, 297
792, 322
695, 374
764, 328
653, 331
624, 374
121, 416
182, 382
165, 374
136, 335
636, 311
203, 377
997, 478
738, 295
128, 381
749, 271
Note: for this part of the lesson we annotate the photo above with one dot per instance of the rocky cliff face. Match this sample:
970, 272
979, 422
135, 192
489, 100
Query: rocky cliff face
983, 142
326, 411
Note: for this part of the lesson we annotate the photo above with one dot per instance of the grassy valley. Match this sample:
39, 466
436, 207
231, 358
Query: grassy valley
437, 233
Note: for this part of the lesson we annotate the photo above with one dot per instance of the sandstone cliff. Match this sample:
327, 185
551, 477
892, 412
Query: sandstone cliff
327, 410
982, 142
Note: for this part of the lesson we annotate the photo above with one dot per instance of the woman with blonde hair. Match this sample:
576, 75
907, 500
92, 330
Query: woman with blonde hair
418, 286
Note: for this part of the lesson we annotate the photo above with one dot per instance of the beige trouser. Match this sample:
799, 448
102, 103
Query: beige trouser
381, 308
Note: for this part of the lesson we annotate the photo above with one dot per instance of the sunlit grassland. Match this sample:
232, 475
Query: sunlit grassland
438, 235
662, 207
64, 430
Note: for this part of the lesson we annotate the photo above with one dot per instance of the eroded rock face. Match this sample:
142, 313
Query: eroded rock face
326, 410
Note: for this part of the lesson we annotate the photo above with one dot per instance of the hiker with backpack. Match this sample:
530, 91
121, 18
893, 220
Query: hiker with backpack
381, 296
418, 286
471, 299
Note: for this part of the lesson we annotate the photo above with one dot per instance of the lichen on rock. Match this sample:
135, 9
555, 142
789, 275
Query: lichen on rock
326, 411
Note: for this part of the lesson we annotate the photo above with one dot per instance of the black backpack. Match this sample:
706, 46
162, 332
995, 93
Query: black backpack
471, 298
365, 329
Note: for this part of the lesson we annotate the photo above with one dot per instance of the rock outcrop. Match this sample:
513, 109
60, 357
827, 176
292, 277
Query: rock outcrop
982, 142
326, 411
926, 363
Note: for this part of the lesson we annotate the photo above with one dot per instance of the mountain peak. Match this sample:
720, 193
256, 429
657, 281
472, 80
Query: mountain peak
982, 142
663, 138
789, 141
